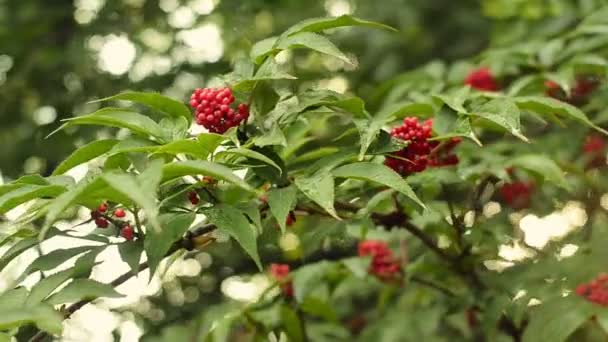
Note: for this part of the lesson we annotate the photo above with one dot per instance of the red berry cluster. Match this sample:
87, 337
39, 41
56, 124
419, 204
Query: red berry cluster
482, 79
596, 291
384, 265
101, 220
420, 153
213, 111
280, 272
583, 87
595, 148
517, 194
193, 197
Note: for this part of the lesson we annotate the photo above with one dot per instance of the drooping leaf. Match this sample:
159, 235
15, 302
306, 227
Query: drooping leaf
321, 24
540, 165
84, 154
130, 252
292, 324
201, 167
320, 189
503, 112
42, 315
557, 319
234, 222
312, 41
158, 243
16, 250
247, 153
281, 201
27, 193
157, 101
378, 173
306, 277
80, 289
319, 308
55, 258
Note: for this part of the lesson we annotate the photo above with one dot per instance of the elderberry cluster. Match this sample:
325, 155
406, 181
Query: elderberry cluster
583, 86
213, 111
482, 79
596, 291
517, 194
595, 149
384, 265
420, 152
280, 272
102, 220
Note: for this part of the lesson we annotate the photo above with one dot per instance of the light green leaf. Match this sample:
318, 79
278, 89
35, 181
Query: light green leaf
16, 250
321, 24
358, 266
201, 167
307, 277
234, 222
158, 243
292, 324
157, 101
540, 165
27, 193
262, 48
80, 289
557, 319
319, 308
55, 258
312, 41
456, 99
281, 201
130, 252
47, 285
247, 153
121, 118
378, 173
319, 188
550, 106
42, 315
84, 154
504, 113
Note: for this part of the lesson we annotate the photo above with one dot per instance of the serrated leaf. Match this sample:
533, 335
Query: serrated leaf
55, 258
42, 315
261, 49
80, 289
157, 101
27, 193
247, 153
378, 173
201, 167
321, 24
312, 41
504, 113
130, 252
541, 165
158, 243
84, 154
234, 222
120, 118
456, 99
16, 250
550, 106
320, 189
557, 319
274, 136
281, 201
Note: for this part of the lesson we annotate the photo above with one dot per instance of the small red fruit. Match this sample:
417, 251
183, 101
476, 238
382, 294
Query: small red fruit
127, 232
103, 207
383, 265
482, 79
291, 219
101, 222
193, 198
280, 272
120, 213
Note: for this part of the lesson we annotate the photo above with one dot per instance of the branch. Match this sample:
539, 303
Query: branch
432, 285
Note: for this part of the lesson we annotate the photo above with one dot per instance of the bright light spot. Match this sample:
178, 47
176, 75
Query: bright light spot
34, 165
491, 209
497, 265
519, 294
539, 231
182, 17
156, 40
514, 252
289, 242
45, 115
336, 8
534, 302
604, 201
247, 291
168, 5
130, 331
568, 250
150, 64
443, 241
79, 327
575, 213
283, 57
116, 55
86, 10
204, 43
202, 7
338, 84
6, 63
469, 218
95, 43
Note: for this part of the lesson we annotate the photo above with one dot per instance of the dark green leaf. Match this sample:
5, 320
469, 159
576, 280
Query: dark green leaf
157, 101
247, 153
312, 41
84, 154
201, 167
503, 112
321, 24
27, 193
42, 315
80, 289
130, 252
158, 243
292, 324
319, 308
319, 188
557, 319
281, 201
541, 165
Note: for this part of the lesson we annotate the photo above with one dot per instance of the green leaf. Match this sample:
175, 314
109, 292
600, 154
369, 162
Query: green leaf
504, 113
157, 101
274, 136
234, 222
378, 173
312, 41
321, 24
262, 48
540, 165
47, 285
84, 154
27, 193
201, 167
158, 243
456, 99
292, 324
358, 266
247, 153
550, 106
557, 319
281, 201
130, 252
121, 118
319, 188
307, 277
80, 289
55, 258
16, 250
42, 315
319, 308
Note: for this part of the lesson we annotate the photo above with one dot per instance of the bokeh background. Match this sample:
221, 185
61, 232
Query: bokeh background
57, 56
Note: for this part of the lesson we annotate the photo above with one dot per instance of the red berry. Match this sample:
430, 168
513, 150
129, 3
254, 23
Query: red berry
103, 207
517, 194
193, 197
482, 79
127, 232
383, 264
101, 222
214, 105
280, 272
95, 214
291, 219
120, 213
